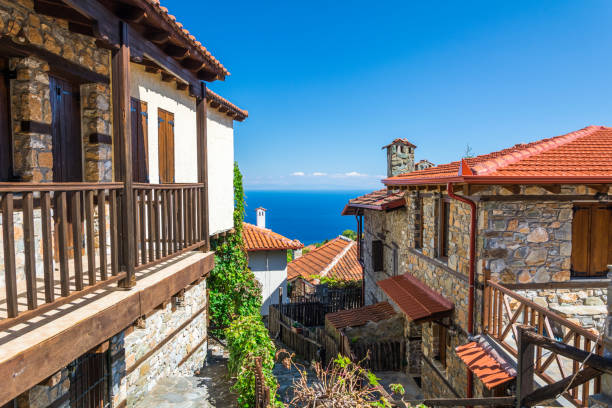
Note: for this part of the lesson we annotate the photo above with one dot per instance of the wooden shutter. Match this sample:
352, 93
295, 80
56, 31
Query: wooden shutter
444, 235
377, 256
66, 130
591, 240
166, 146
6, 146
140, 165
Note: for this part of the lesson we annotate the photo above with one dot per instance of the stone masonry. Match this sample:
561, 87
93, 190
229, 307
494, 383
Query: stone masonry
96, 119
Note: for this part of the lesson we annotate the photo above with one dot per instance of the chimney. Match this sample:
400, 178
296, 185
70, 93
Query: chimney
297, 253
400, 157
261, 217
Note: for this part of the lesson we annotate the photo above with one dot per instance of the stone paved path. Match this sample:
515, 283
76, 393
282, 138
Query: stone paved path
210, 388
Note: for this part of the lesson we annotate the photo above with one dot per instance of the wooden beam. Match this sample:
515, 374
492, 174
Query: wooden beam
202, 161
130, 13
526, 370
600, 188
167, 77
512, 188
214, 104
106, 22
552, 188
175, 51
223, 109
206, 75
61, 11
550, 392
123, 153
159, 37
181, 86
152, 70
192, 64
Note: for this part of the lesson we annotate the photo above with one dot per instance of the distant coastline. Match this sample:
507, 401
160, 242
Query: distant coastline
308, 215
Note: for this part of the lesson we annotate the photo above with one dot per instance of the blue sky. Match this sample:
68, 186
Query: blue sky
327, 83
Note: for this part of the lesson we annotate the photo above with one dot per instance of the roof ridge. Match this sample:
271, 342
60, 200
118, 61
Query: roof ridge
337, 258
272, 234
530, 149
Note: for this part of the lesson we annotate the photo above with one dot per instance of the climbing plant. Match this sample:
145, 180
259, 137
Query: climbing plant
234, 291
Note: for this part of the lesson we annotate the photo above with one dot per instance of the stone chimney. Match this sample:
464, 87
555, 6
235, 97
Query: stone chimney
261, 217
400, 157
297, 253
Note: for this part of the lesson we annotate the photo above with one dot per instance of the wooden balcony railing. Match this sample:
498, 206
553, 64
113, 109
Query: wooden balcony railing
505, 310
61, 241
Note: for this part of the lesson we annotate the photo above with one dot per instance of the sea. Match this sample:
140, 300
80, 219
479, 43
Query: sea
310, 216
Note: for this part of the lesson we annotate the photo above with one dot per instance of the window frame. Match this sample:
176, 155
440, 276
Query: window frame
440, 334
378, 255
590, 236
419, 229
444, 210
6, 132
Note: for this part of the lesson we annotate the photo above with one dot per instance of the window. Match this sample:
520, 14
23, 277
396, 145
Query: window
591, 240
140, 141
165, 146
6, 146
66, 130
443, 233
419, 223
377, 256
439, 343
395, 261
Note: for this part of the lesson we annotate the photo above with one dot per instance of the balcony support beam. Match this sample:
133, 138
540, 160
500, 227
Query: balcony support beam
202, 147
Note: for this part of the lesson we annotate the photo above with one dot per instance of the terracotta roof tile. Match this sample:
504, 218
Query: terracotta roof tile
336, 259
399, 140
241, 114
263, 239
482, 359
414, 298
163, 12
377, 200
585, 153
361, 315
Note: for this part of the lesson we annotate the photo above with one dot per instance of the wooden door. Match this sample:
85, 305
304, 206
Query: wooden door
165, 136
65, 131
591, 239
140, 141
6, 146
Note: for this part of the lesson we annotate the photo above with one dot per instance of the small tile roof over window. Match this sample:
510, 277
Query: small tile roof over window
361, 315
262, 239
237, 113
382, 200
405, 142
418, 302
581, 156
486, 363
336, 259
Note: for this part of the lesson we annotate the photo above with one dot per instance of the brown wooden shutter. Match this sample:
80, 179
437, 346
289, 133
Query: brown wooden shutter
6, 146
377, 256
600, 241
66, 130
580, 241
166, 146
140, 167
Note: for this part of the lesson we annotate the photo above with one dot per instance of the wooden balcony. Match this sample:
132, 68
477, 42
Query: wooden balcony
505, 310
62, 241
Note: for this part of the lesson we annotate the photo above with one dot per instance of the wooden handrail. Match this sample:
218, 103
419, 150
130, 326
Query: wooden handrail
545, 311
172, 186
32, 187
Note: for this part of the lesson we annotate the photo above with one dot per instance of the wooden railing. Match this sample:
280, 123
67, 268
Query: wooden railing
61, 241
169, 220
56, 227
505, 310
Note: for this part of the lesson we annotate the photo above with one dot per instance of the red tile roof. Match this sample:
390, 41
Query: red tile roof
482, 359
360, 316
262, 239
376, 200
581, 156
414, 298
336, 259
239, 114
398, 140
178, 28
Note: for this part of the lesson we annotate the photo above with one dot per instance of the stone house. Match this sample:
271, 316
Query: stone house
106, 199
535, 218
267, 252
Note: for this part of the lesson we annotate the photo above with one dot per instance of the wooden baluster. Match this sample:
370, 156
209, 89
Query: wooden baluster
77, 239
142, 199
63, 239
181, 219
498, 313
539, 349
186, 216
199, 235
575, 365
102, 233
136, 217
113, 233
165, 215
190, 212
29, 249
91, 253
487, 304
156, 203
10, 273
585, 386
526, 315
151, 225
597, 385
175, 221
47, 244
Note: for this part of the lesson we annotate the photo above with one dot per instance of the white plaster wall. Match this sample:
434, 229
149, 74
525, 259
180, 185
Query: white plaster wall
270, 269
148, 87
220, 140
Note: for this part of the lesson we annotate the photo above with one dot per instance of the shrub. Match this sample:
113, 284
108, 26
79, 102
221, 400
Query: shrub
248, 338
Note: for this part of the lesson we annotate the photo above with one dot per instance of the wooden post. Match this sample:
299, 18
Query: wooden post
280, 298
202, 147
123, 154
526, 354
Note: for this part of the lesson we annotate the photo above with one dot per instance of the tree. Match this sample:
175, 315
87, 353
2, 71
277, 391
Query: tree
350, 234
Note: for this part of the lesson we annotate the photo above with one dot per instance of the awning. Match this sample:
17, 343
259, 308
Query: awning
486, 363
418, 302
381, 200
361, 315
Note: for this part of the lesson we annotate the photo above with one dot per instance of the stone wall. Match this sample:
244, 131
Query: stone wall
96, 120
132, 376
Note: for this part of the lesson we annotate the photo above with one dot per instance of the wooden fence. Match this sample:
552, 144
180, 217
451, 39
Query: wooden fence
335, 299
383, 356
300, 339
262, 391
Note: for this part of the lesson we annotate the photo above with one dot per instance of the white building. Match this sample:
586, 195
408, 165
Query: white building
268, 259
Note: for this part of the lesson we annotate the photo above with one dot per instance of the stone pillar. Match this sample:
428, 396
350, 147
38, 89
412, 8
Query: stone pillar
96, 131
31, 116
604, 399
